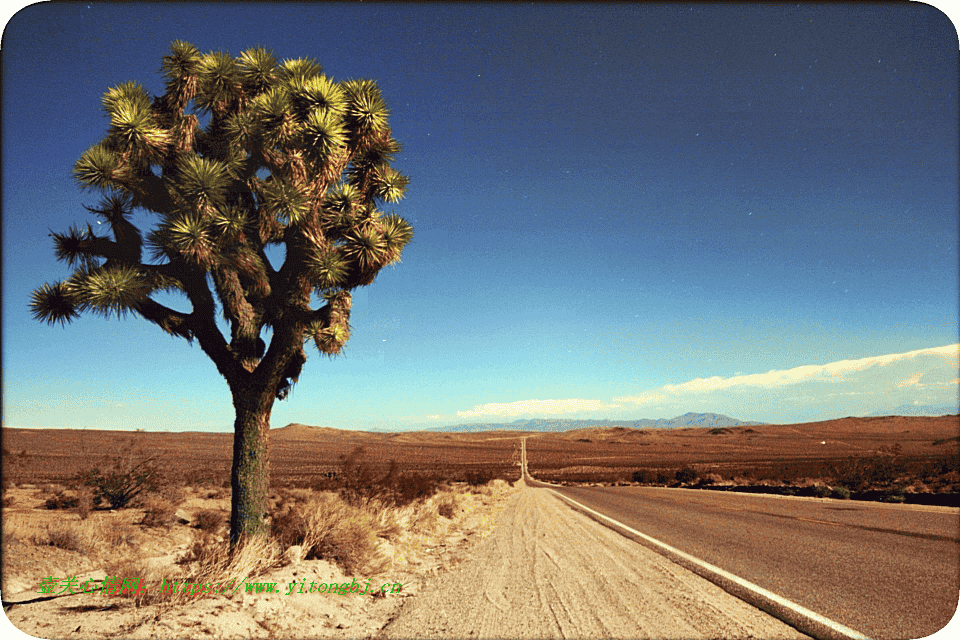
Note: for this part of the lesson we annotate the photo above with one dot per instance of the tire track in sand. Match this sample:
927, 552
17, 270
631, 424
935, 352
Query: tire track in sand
548, 571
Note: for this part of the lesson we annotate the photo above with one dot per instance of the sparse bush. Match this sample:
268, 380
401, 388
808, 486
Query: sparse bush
478, 477
685, 475
362, 482
447, 506
62, 537
841, 493
84, 503
894, 495
414, 486
131, 473
209, 520
170, 490
648, 476
330, 528
158, 513
60, 500
342, 533
822, 492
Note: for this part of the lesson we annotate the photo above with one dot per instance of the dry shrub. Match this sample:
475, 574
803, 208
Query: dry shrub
128, 567
61, 500
332, 529
209, 520
63, 536
158, 512
84, 503
447, 505
168, 489
130, 473
211, 560
363, 481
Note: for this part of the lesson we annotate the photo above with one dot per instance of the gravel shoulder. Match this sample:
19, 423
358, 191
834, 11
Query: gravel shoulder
550, 572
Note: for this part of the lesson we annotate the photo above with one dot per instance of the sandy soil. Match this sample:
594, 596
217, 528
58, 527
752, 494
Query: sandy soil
550, 572
415, 559
516, 563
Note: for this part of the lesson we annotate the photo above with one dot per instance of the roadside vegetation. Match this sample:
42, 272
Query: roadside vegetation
132, 517
885, 474
909, 459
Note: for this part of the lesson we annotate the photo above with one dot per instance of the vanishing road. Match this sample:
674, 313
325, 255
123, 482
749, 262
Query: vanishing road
547, 571
885, 570
550, 571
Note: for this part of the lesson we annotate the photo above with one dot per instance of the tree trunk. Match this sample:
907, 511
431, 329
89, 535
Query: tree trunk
250, 474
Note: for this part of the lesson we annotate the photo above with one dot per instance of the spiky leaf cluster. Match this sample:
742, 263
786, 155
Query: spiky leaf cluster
287, 156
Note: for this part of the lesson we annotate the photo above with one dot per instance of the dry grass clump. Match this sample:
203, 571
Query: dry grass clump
447, 505
210, 558
60, 500
88, 538
331, 528
62, 536
209, 520
158, 512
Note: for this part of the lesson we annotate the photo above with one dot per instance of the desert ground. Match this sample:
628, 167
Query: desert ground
465, 519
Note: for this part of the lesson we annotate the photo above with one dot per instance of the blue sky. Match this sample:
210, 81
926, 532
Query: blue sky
620, 211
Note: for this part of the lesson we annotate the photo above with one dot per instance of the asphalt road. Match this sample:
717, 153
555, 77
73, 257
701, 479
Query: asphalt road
887, 571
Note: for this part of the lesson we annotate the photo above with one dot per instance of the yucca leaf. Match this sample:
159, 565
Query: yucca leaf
271, 113
100, 168
134, 130
367, 114
114, 206
131, 95
328, 268
332, 333
52, 303
323, 134
189, 236
317, 92
397, 234
258, 70
219, 81
332, 339
183, 60
229, 223
113, 290
365, 246
389, 184
202, 181
282, 200
302, 68
75, 247
241, 128
343, 199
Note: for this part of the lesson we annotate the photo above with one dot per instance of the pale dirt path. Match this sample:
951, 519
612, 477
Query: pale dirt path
550, 572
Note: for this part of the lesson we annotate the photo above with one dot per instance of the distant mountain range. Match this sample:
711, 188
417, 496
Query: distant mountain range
918, 410
711, 420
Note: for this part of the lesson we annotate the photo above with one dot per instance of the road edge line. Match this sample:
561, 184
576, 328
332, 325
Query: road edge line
798, 617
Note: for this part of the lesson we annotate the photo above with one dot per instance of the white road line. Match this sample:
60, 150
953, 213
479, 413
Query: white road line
800, 618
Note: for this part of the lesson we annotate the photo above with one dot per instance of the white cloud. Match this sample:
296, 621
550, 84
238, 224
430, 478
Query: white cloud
845, 387
912, 381
833, 372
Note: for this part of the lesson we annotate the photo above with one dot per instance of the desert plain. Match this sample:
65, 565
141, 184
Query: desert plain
465, 488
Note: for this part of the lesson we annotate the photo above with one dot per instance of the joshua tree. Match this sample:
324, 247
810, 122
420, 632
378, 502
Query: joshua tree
280, 155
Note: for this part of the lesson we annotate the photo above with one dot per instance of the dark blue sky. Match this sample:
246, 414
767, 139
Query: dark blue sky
608, 200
